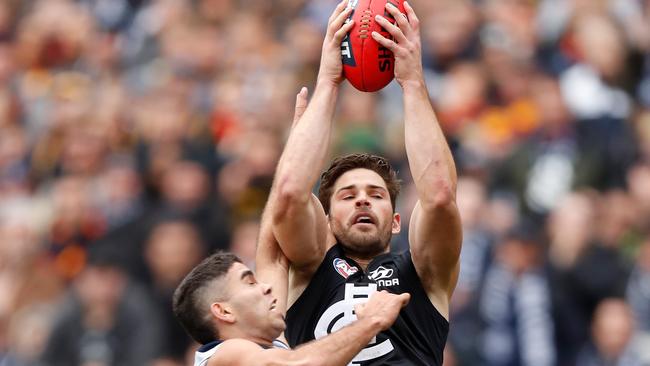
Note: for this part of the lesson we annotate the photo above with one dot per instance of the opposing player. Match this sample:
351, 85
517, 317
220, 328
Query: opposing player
338, 244
223, 307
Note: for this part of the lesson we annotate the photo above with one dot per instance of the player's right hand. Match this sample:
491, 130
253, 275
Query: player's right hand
406, 44
331, 66
382, 307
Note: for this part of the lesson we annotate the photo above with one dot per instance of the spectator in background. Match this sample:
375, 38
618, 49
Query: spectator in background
119, 193
576, 268
515, 304
244, 241
615, 233
76, 224
613, 340
28, 282
474, 260
638, 288
105, 320
26, 334
593, 89
547, 163
172, 249
638, 179
14, 161
589, 86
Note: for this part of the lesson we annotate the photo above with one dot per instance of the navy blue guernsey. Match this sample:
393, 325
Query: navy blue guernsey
418, 335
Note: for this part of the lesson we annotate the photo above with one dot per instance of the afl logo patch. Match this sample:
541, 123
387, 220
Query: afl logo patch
343, 268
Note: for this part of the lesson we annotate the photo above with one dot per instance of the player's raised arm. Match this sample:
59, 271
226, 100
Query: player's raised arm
435, 228
299, 222
271, 264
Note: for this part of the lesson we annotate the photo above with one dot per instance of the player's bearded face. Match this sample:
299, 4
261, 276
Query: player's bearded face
361, 214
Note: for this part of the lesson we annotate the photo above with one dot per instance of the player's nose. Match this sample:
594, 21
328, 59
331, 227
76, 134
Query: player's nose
266, 288
362, 201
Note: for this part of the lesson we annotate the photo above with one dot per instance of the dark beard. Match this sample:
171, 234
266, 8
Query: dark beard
365, 249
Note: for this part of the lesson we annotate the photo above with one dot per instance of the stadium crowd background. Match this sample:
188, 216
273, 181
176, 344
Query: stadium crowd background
137, 136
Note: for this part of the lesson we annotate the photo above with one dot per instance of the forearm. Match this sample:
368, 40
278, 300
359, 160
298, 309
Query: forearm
336, 349
340, 347
271, 265
430, 160
308, 143
298, 220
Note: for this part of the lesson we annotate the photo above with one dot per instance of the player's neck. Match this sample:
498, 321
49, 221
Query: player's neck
235, 332
268, 343
364, 261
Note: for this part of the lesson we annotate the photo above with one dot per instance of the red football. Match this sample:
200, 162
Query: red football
367, 65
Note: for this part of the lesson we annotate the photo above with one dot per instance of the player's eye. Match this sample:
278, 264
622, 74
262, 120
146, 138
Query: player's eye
348, 197
250, 280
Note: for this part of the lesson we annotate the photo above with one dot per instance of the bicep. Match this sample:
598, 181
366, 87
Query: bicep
435, 236
301, 232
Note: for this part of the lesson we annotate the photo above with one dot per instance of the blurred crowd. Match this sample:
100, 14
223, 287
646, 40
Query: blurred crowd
137, 136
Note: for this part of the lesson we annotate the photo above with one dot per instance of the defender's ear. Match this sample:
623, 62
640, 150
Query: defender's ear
222, 312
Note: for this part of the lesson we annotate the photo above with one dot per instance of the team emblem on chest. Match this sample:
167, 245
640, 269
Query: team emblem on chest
344, 268
341, 313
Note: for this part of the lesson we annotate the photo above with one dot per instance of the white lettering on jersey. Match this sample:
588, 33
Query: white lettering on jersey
342, 313
382, 276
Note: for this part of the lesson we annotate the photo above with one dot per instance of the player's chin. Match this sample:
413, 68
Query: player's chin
367, 234
279, 324
276, 316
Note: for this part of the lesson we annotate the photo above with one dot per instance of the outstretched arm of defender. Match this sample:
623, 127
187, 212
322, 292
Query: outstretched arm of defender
271, 264
337, 349
435, 229
299, 221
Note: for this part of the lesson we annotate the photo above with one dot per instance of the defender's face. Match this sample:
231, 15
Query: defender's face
253, 304
361, 213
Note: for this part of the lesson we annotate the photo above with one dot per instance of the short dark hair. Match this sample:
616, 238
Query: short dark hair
188, 301
346, 163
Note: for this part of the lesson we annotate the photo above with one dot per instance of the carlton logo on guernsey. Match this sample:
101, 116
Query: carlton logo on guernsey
203, 354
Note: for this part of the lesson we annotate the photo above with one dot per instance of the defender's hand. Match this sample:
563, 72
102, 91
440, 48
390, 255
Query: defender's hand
331, 66
406, 44
301, 105
382, 307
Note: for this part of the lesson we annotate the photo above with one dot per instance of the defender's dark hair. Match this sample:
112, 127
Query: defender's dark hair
343, 164
189, 296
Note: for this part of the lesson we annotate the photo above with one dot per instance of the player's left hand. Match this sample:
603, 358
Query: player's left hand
406, 44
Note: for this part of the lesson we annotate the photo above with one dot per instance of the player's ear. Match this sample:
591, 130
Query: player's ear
222, 311
397, 223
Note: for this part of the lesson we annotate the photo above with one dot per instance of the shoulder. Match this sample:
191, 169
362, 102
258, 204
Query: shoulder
241, 352
230, 352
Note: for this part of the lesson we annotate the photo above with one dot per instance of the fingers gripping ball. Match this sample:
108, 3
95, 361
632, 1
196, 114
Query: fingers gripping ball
367, 65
